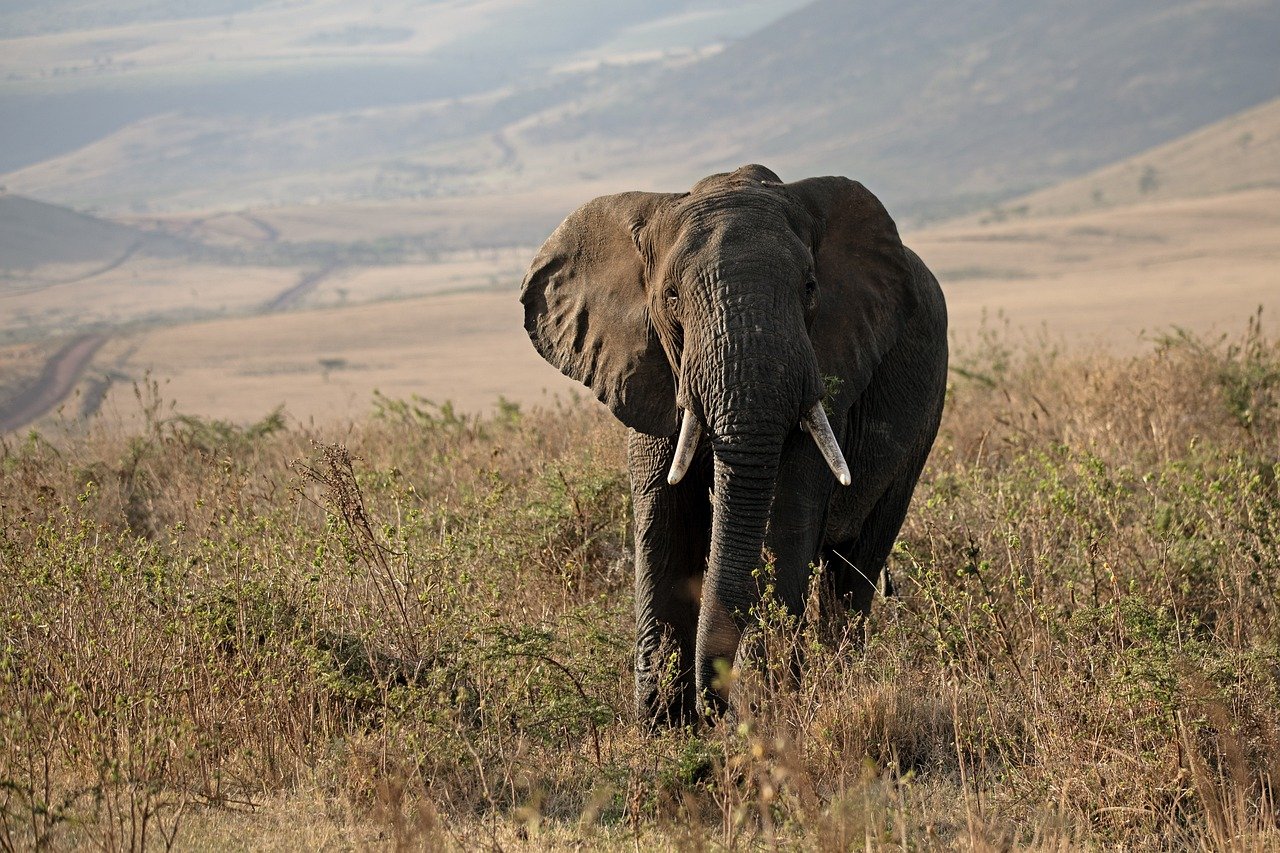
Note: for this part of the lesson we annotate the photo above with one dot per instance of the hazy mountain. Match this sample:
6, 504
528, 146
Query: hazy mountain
929, 102
34, 17
112, 63
939, 107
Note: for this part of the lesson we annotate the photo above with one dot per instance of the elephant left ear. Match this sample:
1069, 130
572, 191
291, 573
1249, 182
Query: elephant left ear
587, 312
865, 289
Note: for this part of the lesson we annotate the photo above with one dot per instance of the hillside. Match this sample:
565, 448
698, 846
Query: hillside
1241, 152
1100, 278
73, 72
271, 323
35, 17
33, 234
936, 106
941, 108
315, 304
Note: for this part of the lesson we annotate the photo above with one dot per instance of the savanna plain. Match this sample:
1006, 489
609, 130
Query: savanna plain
415, 631
372, 620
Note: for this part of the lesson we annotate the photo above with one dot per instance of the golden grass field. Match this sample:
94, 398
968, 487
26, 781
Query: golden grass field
260, 594
143, 289
1105, 276
410, 626
20, 365
466, 348
415, 631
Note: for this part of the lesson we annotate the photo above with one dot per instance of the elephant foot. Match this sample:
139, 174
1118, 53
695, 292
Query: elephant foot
665, 696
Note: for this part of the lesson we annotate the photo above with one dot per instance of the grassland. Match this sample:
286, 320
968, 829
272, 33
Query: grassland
1103, 276
1106, 274
143, 290
312, 306
37, 235
414, 632
468, 349
20, 365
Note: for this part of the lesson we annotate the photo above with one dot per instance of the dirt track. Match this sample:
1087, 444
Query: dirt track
290, 296
59, 376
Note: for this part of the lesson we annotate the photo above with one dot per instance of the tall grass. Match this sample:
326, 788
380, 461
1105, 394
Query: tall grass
416, 632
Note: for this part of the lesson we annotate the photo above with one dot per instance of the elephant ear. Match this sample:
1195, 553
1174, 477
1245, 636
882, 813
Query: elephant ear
586, 310
864, 281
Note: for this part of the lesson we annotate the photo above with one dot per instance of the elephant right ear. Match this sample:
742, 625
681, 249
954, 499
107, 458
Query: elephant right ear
587, 312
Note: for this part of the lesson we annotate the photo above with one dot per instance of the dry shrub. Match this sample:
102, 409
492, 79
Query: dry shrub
415, 631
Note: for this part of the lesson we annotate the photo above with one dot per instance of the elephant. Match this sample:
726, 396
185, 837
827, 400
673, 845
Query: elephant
780, 361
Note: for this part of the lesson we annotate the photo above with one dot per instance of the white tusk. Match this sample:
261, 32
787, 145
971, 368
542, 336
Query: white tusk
686, 446
819, 427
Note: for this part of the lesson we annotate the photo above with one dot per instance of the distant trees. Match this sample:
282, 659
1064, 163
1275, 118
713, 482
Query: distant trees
1149, 181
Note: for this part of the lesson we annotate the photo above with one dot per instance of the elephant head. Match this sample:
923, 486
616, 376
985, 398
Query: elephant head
720, 315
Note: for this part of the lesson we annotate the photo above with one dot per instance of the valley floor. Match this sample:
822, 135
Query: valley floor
320, 342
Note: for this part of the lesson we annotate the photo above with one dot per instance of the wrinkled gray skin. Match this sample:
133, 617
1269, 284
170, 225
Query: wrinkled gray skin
744, 301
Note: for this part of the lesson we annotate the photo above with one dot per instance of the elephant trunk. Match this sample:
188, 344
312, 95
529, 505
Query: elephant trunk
762, 380
744, 488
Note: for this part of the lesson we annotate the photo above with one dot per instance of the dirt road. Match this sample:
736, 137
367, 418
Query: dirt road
59, 376
289, 297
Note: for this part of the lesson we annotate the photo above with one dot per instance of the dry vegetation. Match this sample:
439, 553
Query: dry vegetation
141, 292
416, 633
468, 348
20, 365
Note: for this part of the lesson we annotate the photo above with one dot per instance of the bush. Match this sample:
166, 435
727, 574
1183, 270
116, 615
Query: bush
423, 634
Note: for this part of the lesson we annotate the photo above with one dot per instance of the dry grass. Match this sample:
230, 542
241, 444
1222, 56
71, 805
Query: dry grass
1110, 273
416, 633
468, 348
21, 364
1103, 275
141, 291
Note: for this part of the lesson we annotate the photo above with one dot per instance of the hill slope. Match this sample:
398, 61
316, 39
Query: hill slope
275, 62
1238, 153
927, 102
33, 234
938, 107
1102, 277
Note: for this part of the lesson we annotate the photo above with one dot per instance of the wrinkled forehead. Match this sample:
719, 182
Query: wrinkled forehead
738, 215
750, 174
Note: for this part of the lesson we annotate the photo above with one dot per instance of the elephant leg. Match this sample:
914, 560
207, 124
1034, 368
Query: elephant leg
857, 565
798, 518
672, 535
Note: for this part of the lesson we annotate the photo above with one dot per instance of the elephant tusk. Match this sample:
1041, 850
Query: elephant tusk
686, 445
817, 425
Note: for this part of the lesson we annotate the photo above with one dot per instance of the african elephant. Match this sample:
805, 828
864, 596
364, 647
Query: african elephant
753, 335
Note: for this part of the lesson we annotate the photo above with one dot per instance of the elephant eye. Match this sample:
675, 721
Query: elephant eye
671, 296
810, 284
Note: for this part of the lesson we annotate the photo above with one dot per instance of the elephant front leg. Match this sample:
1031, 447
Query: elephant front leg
671, 538
799, 516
